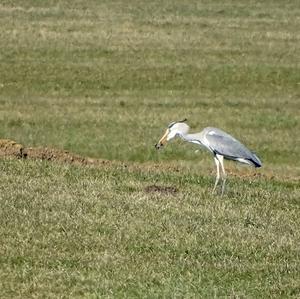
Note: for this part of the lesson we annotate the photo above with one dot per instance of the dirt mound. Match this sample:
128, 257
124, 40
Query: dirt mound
12, 149
54, 155
161, 189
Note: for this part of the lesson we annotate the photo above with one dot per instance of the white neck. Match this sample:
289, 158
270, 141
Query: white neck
191, 138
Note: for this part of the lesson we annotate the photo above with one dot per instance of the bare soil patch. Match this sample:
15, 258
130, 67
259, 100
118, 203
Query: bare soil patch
12, 149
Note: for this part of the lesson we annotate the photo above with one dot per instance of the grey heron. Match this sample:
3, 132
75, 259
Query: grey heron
219, 143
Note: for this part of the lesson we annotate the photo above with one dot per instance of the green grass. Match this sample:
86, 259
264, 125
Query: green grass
103, 79
76, 77
77, 231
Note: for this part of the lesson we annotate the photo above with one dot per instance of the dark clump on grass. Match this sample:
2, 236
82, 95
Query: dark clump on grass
161, 189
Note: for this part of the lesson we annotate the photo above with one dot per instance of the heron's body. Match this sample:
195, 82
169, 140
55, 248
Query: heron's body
219, 143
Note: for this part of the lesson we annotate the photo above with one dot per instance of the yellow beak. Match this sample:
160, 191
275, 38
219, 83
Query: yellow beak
162, 140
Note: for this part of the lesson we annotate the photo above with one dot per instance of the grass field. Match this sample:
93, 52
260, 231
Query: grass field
102, 79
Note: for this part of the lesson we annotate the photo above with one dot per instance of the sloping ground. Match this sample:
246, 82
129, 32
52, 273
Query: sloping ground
12, 149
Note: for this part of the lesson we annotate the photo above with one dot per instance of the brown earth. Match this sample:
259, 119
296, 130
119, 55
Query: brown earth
12, 149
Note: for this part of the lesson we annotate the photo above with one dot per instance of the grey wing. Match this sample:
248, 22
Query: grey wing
224, 144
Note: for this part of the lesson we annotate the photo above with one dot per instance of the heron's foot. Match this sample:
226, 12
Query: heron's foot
223, 187
216, 190
220, 191
216, 184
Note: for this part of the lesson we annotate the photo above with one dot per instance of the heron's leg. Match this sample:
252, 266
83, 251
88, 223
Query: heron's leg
221, 159
218, 172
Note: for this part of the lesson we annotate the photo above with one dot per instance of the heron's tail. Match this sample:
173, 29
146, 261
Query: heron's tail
255, 160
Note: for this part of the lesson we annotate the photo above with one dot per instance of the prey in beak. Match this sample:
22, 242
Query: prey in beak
162, 140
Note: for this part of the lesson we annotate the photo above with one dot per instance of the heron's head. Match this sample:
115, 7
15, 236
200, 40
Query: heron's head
174, 129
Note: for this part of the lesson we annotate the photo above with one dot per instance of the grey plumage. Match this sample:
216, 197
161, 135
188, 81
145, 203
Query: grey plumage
224, 144
219, 143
